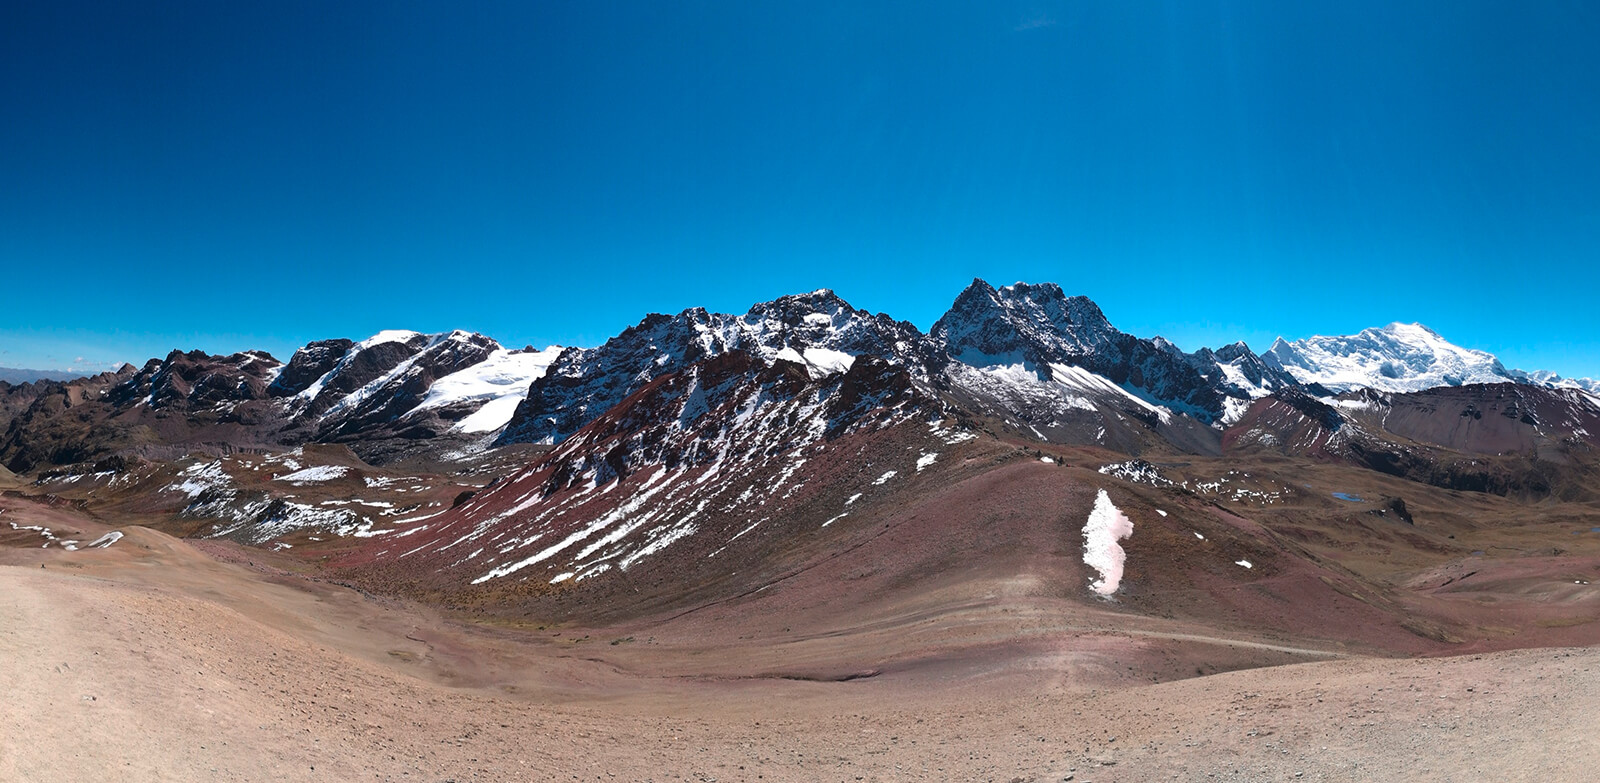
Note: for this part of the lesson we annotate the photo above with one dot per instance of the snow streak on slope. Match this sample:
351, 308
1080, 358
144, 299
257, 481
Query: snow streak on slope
386, 336
377, 392
818, 331
710, 454
1106, 526
1397, 358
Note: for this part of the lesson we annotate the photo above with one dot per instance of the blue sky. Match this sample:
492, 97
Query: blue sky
230, 175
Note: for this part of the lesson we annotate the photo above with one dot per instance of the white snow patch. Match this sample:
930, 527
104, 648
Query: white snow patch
1245, 563
884, 478
1081, 379
385, 336
926, 459
836, 519
500, 382
315, 474
828, 361
1105, 527
819, 362
790, 355
201, 477
105, 540
1162, 513
1233, 409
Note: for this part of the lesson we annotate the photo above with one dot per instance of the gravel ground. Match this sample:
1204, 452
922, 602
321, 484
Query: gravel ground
151, 662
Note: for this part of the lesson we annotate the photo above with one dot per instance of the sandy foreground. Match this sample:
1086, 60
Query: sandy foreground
151, 661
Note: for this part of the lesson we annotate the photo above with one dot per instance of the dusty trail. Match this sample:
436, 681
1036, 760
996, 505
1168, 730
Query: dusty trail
194, 670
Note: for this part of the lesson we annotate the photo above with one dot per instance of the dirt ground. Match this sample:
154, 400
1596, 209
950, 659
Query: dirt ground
151, 660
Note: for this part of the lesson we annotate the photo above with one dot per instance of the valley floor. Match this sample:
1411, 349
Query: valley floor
153, 661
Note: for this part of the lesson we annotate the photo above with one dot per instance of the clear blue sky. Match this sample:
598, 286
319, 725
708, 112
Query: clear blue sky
224, 175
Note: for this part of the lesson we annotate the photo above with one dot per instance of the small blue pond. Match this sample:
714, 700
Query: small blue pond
1347, 496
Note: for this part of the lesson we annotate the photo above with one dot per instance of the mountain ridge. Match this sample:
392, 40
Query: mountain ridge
1028, 355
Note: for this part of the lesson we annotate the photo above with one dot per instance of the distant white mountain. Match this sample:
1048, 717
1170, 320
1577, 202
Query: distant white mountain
1550, 379
1397, 358
1401, 358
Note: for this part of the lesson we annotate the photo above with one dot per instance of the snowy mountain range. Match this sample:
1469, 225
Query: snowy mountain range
395, 394
740, 438
1399, 358
1027, 355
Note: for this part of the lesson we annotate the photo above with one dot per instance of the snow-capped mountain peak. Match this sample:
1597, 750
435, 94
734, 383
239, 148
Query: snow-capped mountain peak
1034, 323
1397, 358
817, 330
1552, 380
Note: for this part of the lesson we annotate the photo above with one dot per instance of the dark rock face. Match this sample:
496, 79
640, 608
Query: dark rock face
1038, 325
584, 383
1504, 439
404, 390
1255, 373
195, 380
331, 391
1312, 408
677, 419
62, 422
356, 369
307, 365
1398, 506
870, 384
693, 461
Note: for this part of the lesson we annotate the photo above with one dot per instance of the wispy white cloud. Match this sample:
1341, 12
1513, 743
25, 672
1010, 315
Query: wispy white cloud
1036, 22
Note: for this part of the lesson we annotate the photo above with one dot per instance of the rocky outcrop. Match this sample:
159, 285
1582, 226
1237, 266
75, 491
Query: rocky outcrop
310, 363
377, 395
1038, 328
818, 330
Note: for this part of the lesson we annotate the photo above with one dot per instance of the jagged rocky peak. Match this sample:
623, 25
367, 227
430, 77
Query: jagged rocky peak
1167, 346
1246, 372
1032, 323
197, 379
309, 363
819, 309
725, 404
405, 383
817, 330
363, 363
1042, 332
1399, 357
824, 333
1235, 351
